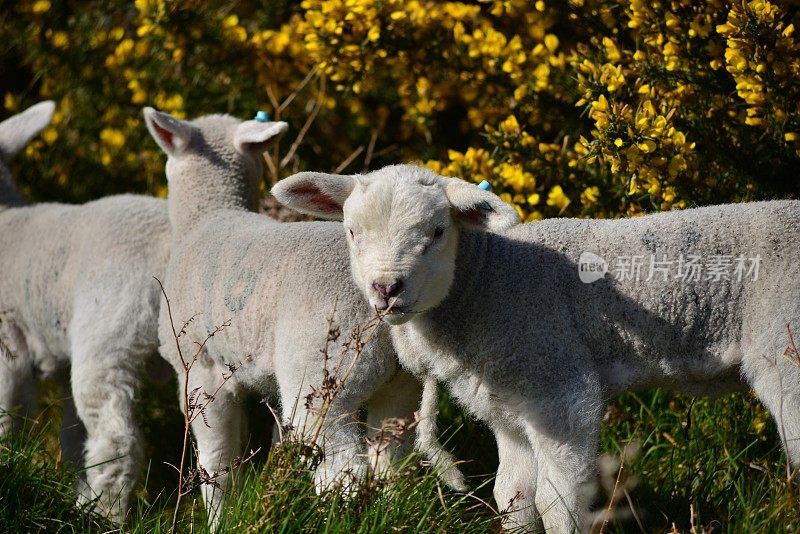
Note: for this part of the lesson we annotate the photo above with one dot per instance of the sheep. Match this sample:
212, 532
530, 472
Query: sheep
16, 392
534, 327
79, 305
275, 286
78, 291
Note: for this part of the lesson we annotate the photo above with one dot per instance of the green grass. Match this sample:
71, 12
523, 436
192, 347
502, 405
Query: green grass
36, 495
278, 495
718, 458
713, 463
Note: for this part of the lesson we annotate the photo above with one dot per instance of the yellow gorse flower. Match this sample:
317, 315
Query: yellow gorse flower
557, 198
112, 137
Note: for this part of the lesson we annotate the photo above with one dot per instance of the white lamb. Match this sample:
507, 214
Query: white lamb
535, 347
276, 285
16, 392
78, 300
78, 303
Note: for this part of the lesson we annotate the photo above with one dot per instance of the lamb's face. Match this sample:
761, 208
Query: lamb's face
402, 240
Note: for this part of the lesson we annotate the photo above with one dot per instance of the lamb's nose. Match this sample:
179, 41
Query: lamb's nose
387, 292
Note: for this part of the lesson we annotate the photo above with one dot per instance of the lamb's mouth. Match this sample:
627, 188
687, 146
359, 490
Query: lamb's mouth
395, 309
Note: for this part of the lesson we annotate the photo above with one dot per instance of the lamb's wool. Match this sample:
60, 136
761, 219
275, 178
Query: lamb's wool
78, 292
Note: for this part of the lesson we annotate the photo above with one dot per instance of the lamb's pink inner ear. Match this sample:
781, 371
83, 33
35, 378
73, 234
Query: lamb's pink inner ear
477, 214
165, 134
474, 216
317, 198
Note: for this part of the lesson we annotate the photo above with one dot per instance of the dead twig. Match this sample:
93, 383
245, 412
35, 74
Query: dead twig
309, 121
612, 501
279, 107
370, 150
288, 100
343, 165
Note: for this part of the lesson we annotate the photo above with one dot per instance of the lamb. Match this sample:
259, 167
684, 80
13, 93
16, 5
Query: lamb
78, 291
79, 304
16, 394
275, 286
534, 333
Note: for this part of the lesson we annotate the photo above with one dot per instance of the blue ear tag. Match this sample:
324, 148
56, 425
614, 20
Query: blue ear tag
262, 116
486, 186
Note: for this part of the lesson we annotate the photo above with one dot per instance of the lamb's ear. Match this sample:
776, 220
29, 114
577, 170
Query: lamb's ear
315, 193
17, 131
475, 208
172, 135
256, 137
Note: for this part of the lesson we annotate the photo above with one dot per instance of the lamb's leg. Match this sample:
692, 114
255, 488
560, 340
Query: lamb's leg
326, 413
218, 431
336, 430
566, 464
399, 399
103, 387
18, 393
515, 483
776, 381
428, 439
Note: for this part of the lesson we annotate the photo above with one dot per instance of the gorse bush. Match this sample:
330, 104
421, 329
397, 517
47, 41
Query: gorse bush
586, 107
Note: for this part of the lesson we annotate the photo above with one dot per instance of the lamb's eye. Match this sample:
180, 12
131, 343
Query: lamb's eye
439, 232
352, 235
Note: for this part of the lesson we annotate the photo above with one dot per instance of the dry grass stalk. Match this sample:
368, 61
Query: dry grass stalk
195, 402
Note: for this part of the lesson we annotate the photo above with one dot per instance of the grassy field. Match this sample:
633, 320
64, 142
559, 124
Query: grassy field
712, 465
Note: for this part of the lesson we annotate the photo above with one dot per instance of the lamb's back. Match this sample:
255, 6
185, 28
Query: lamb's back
57, 258
277, 284
519, 296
